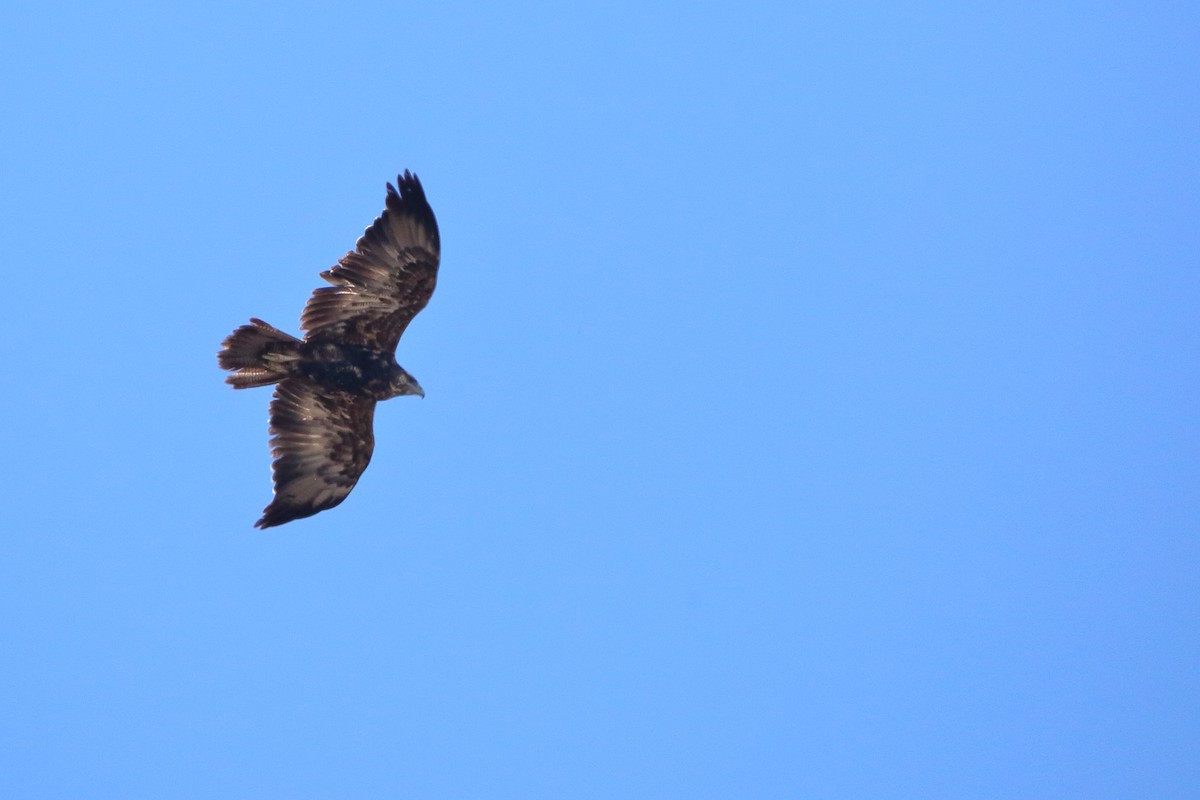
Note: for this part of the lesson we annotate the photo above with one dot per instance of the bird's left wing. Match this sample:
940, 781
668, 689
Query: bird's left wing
389, 276
322, 441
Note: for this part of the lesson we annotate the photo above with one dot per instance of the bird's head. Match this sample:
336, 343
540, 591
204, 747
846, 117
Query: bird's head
403, 383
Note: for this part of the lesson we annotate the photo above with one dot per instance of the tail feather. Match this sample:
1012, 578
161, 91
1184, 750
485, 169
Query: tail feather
259, 355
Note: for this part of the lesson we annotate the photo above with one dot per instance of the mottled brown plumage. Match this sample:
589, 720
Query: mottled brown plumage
323, 407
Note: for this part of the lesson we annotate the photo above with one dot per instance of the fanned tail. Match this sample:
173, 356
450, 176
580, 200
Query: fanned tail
259, 355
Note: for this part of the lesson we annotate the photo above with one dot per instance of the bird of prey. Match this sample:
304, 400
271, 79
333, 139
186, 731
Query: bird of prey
327, 384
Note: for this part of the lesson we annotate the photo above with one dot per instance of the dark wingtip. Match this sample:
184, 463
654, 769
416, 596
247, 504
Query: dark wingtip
408, 187
408, 197
272, 517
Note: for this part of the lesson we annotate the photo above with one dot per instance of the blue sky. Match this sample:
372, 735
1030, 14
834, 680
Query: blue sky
811, 410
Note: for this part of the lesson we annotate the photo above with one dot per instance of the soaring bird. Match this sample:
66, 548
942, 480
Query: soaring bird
327, 383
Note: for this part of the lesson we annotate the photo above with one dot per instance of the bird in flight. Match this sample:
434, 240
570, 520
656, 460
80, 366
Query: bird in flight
327, 384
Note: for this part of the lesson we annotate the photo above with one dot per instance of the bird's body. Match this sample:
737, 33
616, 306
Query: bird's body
355, 369
327, 384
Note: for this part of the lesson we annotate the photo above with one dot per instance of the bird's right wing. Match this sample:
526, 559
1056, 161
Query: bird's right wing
322, 441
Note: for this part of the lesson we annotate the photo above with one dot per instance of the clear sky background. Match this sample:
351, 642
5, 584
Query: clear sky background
812, 402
